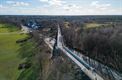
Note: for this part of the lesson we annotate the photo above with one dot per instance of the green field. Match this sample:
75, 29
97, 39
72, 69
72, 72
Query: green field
9, 59
8, 28
95, 25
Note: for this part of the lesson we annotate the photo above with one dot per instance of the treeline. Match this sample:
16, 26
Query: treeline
102, 44
23, 18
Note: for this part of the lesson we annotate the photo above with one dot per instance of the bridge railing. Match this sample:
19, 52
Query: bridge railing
99, 68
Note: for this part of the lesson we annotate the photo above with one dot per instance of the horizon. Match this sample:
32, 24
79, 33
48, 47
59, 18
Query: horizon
56, 15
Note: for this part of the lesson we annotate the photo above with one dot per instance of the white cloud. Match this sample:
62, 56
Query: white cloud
72, 7
59, 11
44, 0
24, 11
98, 8
61, 7
54, 2
16, 3
98, 5
1, 6
21, 4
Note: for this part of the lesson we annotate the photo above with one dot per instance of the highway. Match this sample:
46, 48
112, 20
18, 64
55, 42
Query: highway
93, 69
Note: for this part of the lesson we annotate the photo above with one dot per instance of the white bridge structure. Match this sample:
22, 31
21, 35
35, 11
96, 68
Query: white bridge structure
93, 69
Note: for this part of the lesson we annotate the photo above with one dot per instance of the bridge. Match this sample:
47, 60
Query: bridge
93, 69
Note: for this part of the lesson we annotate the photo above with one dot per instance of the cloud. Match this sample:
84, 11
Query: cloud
1, 6
98, 8
98, 5
72, 7
44, 0
23, 11
60, 7
54, 2
16, 3
59, 11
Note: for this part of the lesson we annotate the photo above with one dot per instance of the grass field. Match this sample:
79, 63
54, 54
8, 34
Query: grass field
8, 28
95, 25
9, 59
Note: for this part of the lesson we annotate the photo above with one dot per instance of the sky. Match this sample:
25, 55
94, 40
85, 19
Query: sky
60, 7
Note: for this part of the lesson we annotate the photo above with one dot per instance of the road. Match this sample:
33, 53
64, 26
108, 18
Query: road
92, 68
86, 68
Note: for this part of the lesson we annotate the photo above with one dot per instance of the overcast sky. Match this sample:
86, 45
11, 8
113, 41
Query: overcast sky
60, 7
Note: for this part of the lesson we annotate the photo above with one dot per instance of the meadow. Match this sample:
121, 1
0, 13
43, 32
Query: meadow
96, 25
9, 59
